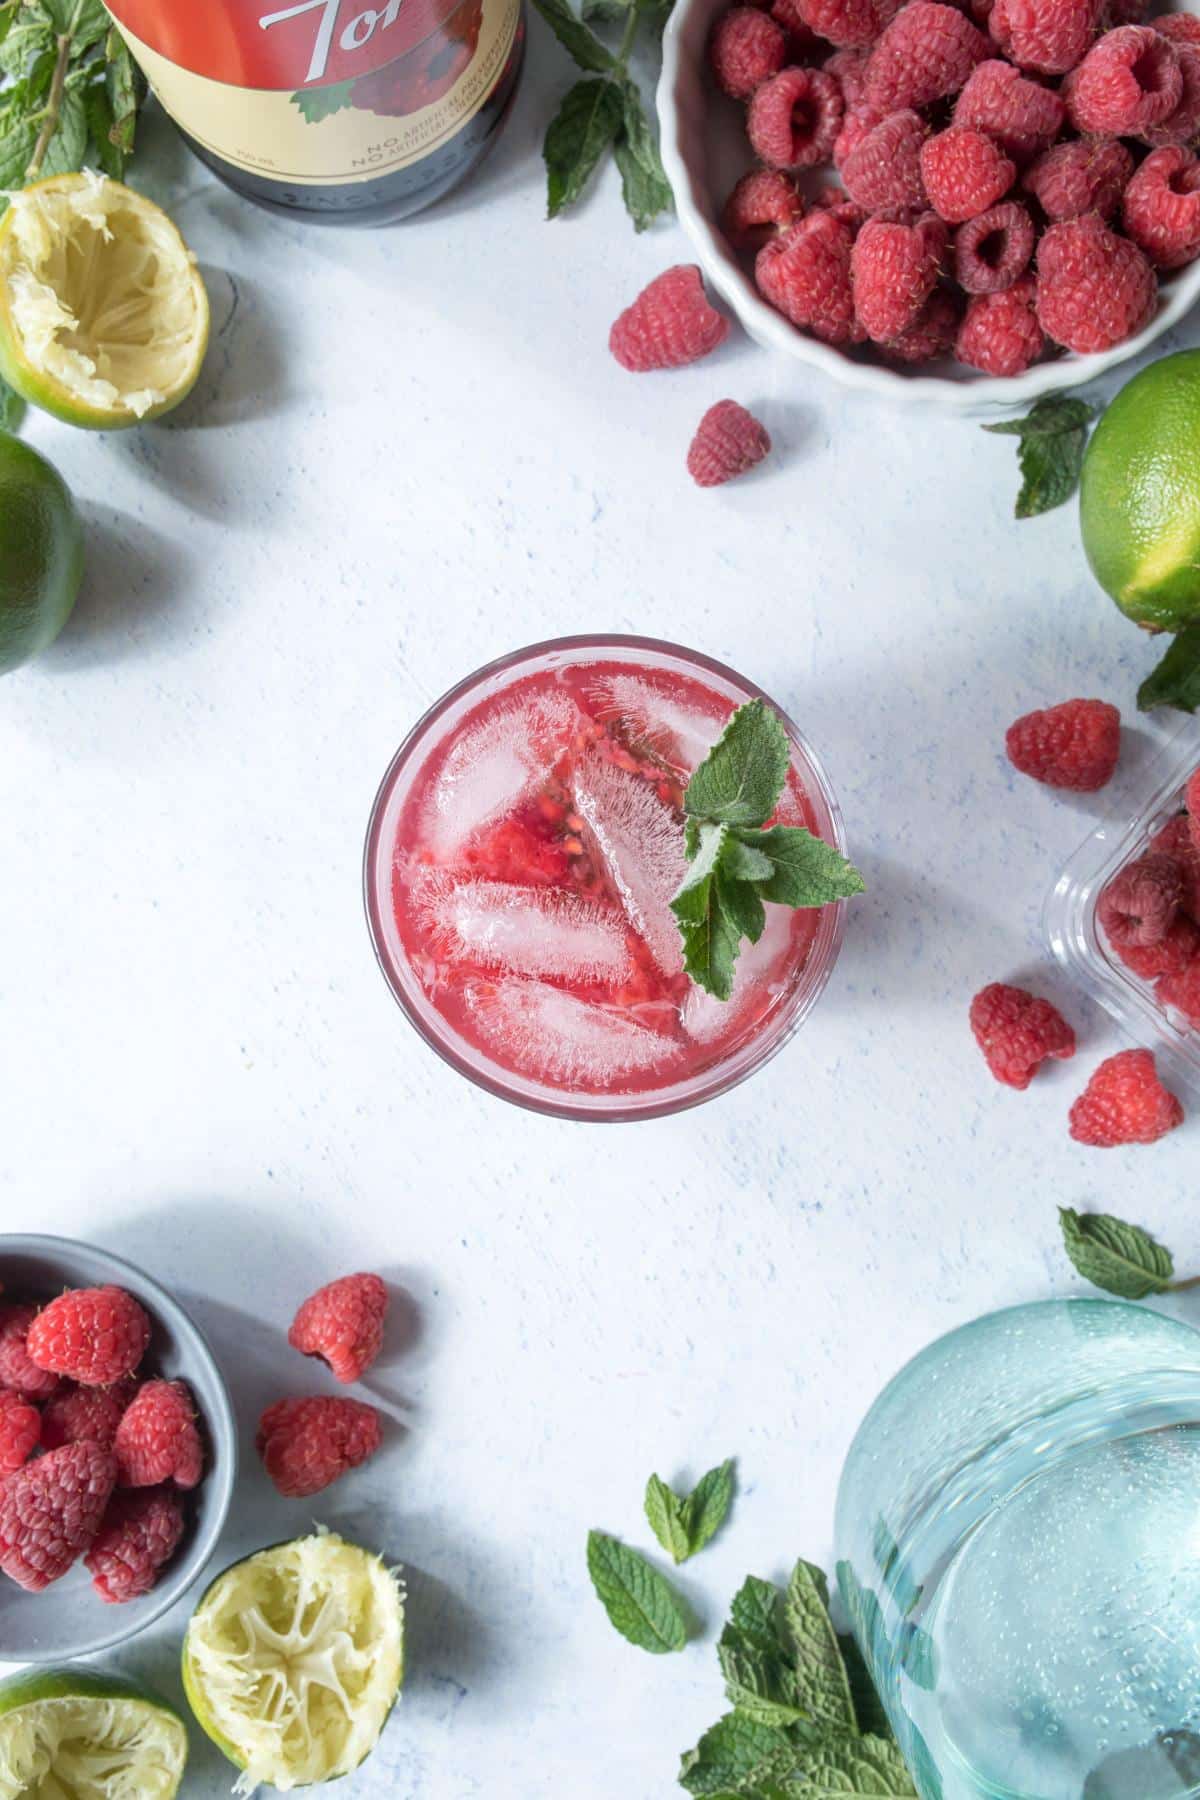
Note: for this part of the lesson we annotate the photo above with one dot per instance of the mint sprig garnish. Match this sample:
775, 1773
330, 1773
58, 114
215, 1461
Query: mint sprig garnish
69, 91
1117, 1257
640, 1602
683, 1525
737, 860
1053, 437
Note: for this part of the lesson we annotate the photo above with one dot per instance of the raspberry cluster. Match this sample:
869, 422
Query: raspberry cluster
1150, 913
1014, 174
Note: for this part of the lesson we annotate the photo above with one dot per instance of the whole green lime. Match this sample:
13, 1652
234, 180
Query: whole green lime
1139, 497
41, 552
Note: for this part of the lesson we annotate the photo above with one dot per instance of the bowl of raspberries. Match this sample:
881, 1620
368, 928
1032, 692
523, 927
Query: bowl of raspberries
118, 1451
973, 204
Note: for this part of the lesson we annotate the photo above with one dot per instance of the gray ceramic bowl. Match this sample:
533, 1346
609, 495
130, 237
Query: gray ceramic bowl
68, 1619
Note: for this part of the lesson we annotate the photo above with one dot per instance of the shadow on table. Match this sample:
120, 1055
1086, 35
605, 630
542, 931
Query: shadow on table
129, 598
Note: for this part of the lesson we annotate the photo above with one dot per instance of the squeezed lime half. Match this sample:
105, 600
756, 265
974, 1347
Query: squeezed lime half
72, 1731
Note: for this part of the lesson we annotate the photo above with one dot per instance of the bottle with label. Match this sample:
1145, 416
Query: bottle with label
329, 108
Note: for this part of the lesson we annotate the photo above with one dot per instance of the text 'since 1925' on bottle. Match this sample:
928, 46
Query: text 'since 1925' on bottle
328, 107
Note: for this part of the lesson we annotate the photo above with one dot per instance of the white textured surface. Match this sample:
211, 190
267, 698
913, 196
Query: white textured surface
410, 452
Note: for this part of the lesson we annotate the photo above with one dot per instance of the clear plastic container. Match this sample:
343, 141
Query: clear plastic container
1075, 935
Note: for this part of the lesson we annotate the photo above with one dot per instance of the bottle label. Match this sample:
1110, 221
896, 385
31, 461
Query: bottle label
321, 92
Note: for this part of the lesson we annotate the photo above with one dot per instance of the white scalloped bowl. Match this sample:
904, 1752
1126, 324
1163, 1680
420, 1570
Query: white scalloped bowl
704, 150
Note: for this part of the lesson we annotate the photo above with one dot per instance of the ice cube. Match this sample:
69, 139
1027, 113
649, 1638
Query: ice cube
759, 965
527, 931
640, 842
548, 1032
493, 767
681, 735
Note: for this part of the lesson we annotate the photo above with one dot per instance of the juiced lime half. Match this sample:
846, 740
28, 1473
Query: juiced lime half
74, 1732
103, 313
294, 1658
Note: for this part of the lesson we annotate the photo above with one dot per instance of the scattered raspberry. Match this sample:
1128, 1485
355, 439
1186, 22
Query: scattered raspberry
884, 169
763, 203
50, 1511
1017, 1032
1020, 115
849, 70
745, 48
1000, 333
93, 1335
848, 24
894, 268
1140, 905
343, 1323
805, 274
17, 1369
1086, 175
1073, 745
669, 324
994, 249
1161, 209
964, 173
1048, 36
932, 332
77, 1415
20, 1430
1094, 289
140, 1532
1175, 839
157, 1438
927, 52
306, 1444
1181, 989
1180, 27
1178, 949
728, 442
1128, 82
794, 119
1125, 1103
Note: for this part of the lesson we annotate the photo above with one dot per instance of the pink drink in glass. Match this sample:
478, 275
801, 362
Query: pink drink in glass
523, 851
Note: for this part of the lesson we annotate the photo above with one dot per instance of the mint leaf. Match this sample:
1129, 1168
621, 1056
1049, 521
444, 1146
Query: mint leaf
757, 1658
322, 102
64, 151
582, 45
822, 1684
732, 1755
17, 141
1176, 680
740, 780
641, 1603
711, 933
576, 138
684, 1525
1120, 1258
893, 1568
126, 88
859, 1765
644, 185
664, 1512
1053, 436
869, 1709
12, 407
605, 12
806, 871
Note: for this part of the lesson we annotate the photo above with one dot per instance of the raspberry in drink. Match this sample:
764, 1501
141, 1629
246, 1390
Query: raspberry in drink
523, 853
330, 108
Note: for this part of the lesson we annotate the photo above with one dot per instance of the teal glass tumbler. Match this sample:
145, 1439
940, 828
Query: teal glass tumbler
1018, 1542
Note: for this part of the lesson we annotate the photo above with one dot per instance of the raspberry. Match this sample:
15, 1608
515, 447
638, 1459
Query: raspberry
964, 173
51, 1510
343, 1323
1161, 209
993, 250
894, 268
93, 1335
1094, 289
17, 1370
1000, 334
849, 70
1073, 745
805, 275
884, 169
1018, 114
1183, 125
857, 127
1129, 81
801, 41
140, 1532
1191, 800
794, 119
306, 1444
157, 1439
1086, 175
669, 324
932, 332
1047, 36
835, 201
927, 52
76, 1414
848, 24
762, 204
1124, 1103
1017, 1032
1176, 951
1180, 27
1181, 990
20, 1430
728, 441
1175, 839
745, 48
1140, 905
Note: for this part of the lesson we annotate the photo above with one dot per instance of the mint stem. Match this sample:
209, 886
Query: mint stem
1181, 1287
53, 108
627, 36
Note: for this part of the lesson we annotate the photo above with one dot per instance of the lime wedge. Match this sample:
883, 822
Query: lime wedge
94, 1737
103, 314
294, 1658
